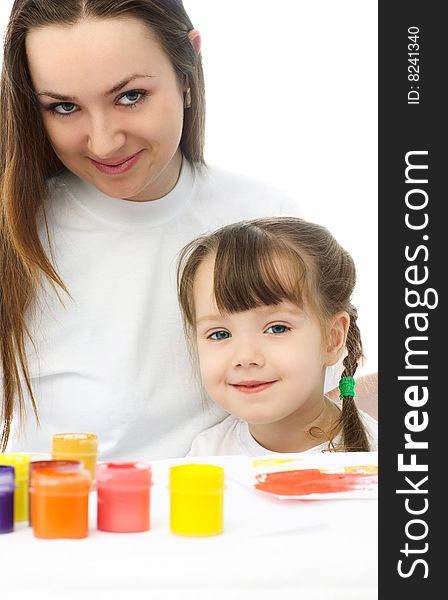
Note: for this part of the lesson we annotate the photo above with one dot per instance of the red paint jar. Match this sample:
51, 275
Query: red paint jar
123, 490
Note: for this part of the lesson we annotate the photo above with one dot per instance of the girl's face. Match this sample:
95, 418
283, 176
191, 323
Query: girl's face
111, 103
262, 365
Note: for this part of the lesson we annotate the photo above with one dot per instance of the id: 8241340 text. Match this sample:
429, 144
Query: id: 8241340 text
414, 65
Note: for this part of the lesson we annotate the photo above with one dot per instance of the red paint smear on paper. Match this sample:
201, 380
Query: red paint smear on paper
312, 481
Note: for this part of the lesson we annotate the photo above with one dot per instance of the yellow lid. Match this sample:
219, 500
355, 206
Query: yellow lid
65, 444
20, 462
196, 478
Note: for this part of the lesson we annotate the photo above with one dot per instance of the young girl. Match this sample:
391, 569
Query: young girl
266, 308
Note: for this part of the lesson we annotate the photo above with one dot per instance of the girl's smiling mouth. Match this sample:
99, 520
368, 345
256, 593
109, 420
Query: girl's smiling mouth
252, 386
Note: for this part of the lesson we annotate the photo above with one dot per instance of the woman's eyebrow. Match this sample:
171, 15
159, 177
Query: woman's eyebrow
120, 85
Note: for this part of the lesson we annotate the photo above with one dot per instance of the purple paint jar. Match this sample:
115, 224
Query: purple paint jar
7, 486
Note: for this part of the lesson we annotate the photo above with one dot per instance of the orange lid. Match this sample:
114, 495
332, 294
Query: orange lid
55, 482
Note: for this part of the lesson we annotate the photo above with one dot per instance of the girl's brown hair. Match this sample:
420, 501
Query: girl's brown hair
266, 261
27, 161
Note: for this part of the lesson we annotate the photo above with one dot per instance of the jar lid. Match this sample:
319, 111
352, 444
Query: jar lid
7, 476
74, 443
52, 481
60, 465
196, 478
123, 474
20, 462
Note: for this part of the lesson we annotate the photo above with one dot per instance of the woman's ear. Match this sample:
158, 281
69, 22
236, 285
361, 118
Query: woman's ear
336, 337
195, 38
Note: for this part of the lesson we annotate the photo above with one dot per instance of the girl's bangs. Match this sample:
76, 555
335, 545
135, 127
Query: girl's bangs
253, 270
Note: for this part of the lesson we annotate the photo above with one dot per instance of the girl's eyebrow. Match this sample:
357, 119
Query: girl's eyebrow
115, 88
216, 317
276, 310
265, 311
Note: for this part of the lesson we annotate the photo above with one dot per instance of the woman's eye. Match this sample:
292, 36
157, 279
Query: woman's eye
219, 335
131, 98
277, 329
65, 108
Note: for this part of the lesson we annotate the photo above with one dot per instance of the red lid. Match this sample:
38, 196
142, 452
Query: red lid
123, 474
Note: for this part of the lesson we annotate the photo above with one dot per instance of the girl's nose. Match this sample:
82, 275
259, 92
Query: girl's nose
248, 355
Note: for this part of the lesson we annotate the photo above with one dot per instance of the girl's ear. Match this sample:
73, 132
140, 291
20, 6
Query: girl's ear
195, 38
336, 337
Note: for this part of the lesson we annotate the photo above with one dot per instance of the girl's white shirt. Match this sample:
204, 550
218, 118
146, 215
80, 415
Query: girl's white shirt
232, 436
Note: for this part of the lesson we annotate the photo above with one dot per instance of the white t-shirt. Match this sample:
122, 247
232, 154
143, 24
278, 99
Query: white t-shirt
232, 436
112, 360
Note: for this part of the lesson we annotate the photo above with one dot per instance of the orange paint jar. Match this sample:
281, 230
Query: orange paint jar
76, 446
60, 503
59, 465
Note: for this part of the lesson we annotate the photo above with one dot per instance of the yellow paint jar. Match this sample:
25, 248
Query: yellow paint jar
196, 499
20, 462
76, 446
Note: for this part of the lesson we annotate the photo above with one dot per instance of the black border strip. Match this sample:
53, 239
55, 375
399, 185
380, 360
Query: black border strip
411, 128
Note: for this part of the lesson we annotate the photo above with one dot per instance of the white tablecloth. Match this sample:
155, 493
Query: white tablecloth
270, 548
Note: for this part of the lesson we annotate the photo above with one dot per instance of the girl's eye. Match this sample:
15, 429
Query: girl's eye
219, 335
277, 329
65, 108
131, 98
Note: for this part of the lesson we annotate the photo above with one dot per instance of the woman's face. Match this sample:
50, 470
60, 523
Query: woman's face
111, 103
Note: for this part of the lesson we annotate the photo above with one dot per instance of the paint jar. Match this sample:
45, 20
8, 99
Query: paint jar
7, 488
61, 465
197, 499
123, 490
60, 503
76, 446
20, 462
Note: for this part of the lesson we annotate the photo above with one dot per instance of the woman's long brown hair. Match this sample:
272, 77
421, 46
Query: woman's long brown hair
265, 261
27, 162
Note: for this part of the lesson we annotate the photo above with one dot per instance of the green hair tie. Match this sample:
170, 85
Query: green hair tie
347, 387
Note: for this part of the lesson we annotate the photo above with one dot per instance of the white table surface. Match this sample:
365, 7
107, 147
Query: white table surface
270, 548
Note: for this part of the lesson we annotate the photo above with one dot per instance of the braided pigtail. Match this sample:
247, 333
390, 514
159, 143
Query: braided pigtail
353, 431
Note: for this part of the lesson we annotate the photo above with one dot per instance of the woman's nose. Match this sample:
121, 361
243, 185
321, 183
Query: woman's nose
104, 138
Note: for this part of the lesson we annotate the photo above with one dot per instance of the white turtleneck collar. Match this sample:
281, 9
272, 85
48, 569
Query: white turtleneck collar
125, 213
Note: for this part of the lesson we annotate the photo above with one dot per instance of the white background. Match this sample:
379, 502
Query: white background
292, 100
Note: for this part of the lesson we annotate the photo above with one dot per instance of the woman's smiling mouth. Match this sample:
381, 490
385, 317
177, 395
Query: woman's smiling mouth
115, 167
